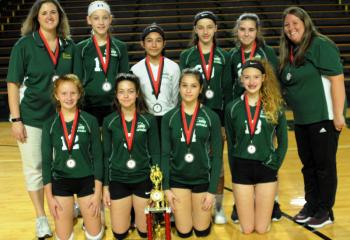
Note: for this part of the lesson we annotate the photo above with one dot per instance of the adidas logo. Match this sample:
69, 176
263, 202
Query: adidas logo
323, 130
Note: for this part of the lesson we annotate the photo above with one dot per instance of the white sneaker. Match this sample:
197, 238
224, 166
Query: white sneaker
220, 217
43, 228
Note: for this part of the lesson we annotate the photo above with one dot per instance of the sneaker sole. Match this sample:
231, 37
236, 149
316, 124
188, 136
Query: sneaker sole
220, 222
45, 236
321, 225
275, 219
235, 221
302, 221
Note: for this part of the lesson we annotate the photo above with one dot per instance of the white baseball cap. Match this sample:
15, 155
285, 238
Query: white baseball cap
96, 5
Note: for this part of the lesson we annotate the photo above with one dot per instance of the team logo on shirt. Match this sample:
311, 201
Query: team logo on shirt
201, 122
114, 53
217, 60
141, 127
81, 128
66, 55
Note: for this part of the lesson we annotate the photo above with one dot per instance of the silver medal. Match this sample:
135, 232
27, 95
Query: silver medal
289, 76
106, 86
55, 77
131, 164
157, 108
189, 157
209, 94
71, 163
251, 149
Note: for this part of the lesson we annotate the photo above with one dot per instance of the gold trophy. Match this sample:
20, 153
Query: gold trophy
157, 204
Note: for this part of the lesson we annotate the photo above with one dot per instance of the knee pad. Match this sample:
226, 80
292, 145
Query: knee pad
120, 236
184, 235
71, 237
202, 233
99, 236
142, 234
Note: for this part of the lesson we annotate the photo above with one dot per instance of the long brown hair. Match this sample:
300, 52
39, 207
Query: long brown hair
31, 23
309, 33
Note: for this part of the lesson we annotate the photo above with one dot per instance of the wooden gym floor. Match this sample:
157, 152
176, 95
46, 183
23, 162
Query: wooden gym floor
17, 214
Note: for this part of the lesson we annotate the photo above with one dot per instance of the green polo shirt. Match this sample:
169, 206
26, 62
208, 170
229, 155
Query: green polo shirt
306, 89
220, 81
262, 52
89, 69
145, 151
31, 66
238, 135
86, 150
206, 147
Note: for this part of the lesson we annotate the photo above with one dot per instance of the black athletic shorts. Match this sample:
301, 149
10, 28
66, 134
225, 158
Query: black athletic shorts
69, 186
197, 188
246, 171
120, 190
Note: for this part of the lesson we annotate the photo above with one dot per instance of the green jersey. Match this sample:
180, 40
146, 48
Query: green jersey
261, 52
239, 138
133, 167
306, 88
86, 151
220, 80
205, 147
89, 69
31, 66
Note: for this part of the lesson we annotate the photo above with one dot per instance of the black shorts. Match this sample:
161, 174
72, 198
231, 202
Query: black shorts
246, 171
69, 186
120, 190
99, 112
197, 188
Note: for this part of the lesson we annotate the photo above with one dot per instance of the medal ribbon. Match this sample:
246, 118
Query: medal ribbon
252, 52
189, 131
69, 140
129, 139
207, 72
155, 82
53, 57
252, 122
291, 55
100, 56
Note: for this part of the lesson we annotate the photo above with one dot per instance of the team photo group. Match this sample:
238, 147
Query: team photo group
89, 125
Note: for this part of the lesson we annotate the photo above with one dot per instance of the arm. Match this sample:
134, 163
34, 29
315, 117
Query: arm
46, 154
166, 148
78, 66
227, 81
153, 142
18, 129
282, 139
230, 133
124, 60
107, 148
54, 205
176, 80
338, 100
97, 154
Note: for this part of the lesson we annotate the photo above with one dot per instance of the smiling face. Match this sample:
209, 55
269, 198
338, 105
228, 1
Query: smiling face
68, 95
247, 32
126, 94
153, 44
294, 28
100, 21
252, 80
48, 17
205, 29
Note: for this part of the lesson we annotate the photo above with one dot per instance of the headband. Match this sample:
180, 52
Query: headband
152, 28
96, 5
205, 14
254, 64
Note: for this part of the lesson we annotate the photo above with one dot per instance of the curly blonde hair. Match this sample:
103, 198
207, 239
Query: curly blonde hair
270, 93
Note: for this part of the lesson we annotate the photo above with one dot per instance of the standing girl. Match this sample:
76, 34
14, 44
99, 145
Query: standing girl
131, 146
253, 121
98, 60
191, 158
213, 63
44, 51
250, 44
72, 162
313, 85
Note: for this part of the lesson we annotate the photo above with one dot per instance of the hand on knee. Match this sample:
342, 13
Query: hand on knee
99, 236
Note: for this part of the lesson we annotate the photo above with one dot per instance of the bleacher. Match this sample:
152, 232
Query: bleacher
332, 17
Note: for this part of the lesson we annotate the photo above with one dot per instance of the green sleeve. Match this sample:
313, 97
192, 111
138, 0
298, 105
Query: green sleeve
46, 153
153, 142
230, 134
182, 63
107, 150
216, 143
166, 148
16, 69
78, 64
282, 138
96, 148
124, 60
227, 81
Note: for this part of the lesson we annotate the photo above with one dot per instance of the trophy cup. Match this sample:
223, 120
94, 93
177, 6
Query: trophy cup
157, 205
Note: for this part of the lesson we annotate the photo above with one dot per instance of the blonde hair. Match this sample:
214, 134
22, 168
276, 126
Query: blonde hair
270, 93
67, 78
31, 22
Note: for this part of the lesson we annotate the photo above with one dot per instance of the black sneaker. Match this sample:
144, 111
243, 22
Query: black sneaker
303, 216
234, 215
276, 212
321, 219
